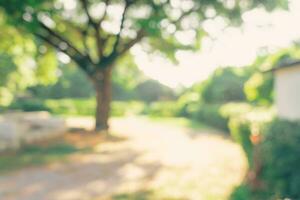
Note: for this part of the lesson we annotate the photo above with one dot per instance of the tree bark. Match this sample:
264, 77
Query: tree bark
103, 89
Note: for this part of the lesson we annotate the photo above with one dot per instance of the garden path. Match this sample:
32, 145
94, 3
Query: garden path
158, 159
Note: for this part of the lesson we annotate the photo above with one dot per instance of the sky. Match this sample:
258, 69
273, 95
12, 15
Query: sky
230, 47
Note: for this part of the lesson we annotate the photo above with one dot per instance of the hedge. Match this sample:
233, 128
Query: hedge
279, 157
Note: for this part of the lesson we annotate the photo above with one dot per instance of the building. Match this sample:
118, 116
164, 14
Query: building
287, 90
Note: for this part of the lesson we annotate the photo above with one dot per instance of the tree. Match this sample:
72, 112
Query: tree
259, 89
95, 34
152, 90
225, 85
17, 71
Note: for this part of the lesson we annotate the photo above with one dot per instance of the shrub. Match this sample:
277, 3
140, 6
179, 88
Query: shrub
225, 85
217, 115
71, 106
118, 108
230, 110
244, 122
278, 157
188, 103
29, 105
241, 192
163, 109
85, 107
240, 130
281, 161
211, 115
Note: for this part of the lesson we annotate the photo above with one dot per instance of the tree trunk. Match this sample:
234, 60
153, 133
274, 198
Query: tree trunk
103, 89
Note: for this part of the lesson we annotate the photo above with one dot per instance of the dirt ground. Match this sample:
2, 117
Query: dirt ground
160, 160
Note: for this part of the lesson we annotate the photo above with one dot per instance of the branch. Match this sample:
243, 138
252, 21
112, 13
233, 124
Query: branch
60, 38
83, 32
140, 35
118, 37
100, 42
81, 61
195, 9
86, 10
104, 14
109, 60
84, 35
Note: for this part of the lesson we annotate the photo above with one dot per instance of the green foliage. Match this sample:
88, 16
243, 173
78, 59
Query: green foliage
71, 106
235, 109
211, 115
70, 84
29, 105
279, 156
259, 89
21, 65
163, 109
245, 120
241, 192
240, 130
77, 106
225, 85
151, 90
122, 108
188, 103
158, 20
281, 159
218, 115
47, 62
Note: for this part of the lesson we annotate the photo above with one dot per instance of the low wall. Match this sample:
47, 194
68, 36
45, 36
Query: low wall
21, 128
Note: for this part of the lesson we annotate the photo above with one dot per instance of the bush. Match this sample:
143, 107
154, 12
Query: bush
241, 192
163, 109
29, 105
121, 108
71, 106
211, 115
240, 130
281, 161
230, 110
217, 115
85, 107
225, 85
278, 157
244, 121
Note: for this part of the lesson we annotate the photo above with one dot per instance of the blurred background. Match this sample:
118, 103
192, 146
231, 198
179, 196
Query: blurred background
149, 100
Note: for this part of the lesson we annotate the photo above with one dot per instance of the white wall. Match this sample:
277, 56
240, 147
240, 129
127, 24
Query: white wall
287, 91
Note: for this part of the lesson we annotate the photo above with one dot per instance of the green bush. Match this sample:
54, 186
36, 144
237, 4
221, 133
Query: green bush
281, 161
217, 115
241, 192
211, 115
240, 130
71, 106
235, 109
279, 157
163, 109
85, 107
225, 85
188, 104
245, 119
29, 105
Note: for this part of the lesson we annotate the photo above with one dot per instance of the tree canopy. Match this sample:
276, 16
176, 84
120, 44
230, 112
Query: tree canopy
97, 32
